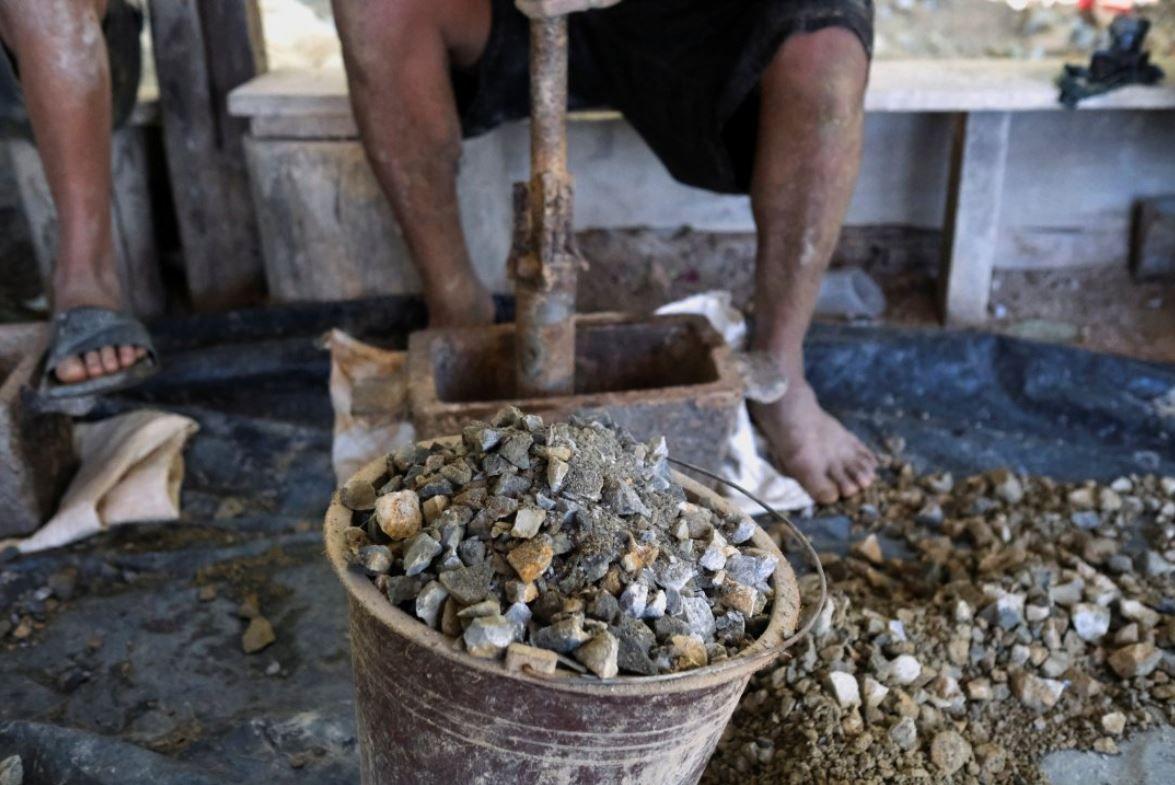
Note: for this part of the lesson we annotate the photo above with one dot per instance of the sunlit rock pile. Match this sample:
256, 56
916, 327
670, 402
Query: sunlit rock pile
1025, 616
561, 546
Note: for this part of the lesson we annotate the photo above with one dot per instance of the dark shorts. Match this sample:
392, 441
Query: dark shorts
121, 25
685, 73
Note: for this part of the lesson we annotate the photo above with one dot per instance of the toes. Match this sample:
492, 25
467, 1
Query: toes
867, 458
109, 359
844, 483
93, 364
819, 486
126, 356
70, 371
860, 474
140, 352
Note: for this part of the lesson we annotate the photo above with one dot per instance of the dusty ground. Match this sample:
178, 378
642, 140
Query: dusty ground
991, 28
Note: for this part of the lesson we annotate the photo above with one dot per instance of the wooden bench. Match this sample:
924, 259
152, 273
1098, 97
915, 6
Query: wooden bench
289, 109
983, 95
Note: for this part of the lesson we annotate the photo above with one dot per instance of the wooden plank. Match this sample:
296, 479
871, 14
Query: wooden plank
948, 85
329, 233
204, 49
974, 198
305, 127
132, 217
289, 92
134, 225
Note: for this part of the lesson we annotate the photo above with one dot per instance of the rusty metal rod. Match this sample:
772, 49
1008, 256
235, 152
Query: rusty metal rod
548, 95
545, 263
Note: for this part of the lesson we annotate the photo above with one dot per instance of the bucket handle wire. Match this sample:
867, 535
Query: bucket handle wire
806, 627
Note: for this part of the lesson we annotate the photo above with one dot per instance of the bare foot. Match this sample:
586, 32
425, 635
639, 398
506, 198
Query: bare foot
813, 447
73, 291
464, 304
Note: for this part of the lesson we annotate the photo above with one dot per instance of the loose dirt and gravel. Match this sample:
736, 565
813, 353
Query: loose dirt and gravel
974, 626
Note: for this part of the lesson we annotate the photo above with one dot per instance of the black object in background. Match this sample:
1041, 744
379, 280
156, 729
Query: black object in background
1123, 63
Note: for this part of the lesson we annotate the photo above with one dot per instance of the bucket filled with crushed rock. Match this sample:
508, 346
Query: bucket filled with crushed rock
549, 603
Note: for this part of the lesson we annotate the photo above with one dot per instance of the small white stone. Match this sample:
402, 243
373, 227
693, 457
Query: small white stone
904, 669
1136, 611
634, 599
655, 608
1091, 622
904, 733
714, 557
527, 522
1035, 613
823, 624
844, 688
1067, 593
1114, 723
1019, 654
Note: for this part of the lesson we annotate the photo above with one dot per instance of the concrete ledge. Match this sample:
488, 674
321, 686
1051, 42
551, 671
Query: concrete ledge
981, 85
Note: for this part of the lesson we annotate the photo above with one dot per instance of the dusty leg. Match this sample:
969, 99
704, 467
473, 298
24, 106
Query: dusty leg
64, 72
398, 54
806, 163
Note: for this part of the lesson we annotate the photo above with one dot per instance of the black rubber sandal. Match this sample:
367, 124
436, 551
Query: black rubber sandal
88, 329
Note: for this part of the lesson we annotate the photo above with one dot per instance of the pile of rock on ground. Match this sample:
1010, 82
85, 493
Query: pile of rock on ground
560, 546
1030, 616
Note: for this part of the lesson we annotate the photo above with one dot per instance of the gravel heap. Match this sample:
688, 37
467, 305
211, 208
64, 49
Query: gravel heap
1029, 616
562, 545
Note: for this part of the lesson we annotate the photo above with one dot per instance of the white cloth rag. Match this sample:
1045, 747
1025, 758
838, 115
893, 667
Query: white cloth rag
131, 468
746, 462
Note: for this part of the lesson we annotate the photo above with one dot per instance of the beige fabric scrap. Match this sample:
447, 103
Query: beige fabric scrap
131, 470
369, 394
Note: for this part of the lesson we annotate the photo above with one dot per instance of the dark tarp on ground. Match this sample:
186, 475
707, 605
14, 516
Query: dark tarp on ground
169, 697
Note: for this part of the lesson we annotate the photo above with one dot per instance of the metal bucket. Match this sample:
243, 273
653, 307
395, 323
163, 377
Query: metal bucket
429, 713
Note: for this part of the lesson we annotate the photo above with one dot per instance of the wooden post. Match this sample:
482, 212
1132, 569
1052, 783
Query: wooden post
132, 217
974, 198
203, 49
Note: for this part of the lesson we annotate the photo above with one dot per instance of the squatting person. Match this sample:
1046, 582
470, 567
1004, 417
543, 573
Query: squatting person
736, 96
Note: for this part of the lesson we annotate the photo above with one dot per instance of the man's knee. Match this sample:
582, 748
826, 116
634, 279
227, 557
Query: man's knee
825, 71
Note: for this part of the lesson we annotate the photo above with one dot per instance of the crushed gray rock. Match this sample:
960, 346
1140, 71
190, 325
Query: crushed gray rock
600, 654
488, 636
567, 538
1022, 644
949, 751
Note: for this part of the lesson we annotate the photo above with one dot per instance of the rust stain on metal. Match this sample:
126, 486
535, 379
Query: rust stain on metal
544, 261
670, 376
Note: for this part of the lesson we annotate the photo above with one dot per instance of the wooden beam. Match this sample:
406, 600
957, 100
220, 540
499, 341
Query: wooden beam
204, 49
974, 198
132, 217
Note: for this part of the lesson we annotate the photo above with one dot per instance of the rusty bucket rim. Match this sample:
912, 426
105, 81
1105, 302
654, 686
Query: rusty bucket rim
785, 613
